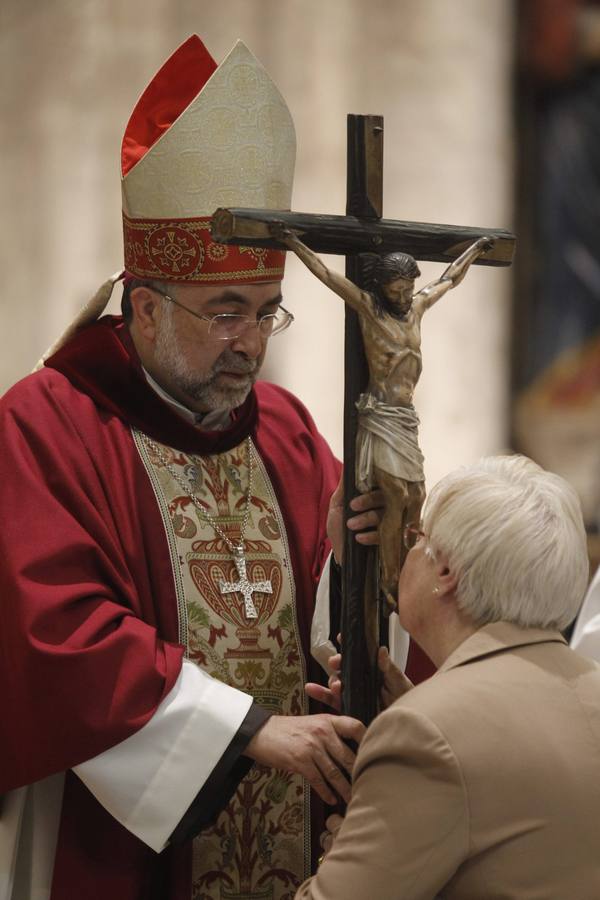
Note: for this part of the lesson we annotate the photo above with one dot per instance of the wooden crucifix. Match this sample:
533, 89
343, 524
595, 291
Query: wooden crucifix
361, 231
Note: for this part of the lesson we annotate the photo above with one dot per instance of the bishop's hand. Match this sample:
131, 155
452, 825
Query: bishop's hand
369, 510
312, 746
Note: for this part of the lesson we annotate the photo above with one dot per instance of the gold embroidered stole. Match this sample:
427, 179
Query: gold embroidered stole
259, 847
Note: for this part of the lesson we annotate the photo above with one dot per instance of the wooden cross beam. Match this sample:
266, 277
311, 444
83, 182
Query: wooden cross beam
361, 230
352, 234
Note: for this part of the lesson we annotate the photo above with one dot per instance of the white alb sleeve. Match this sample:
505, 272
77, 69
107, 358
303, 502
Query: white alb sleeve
321, 648
148, 781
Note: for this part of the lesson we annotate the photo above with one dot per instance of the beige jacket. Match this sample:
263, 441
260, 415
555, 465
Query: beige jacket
481, 783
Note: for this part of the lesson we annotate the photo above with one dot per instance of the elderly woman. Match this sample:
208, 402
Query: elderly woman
484, 781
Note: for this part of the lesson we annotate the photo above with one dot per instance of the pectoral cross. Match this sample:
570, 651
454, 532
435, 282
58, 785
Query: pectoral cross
244, 586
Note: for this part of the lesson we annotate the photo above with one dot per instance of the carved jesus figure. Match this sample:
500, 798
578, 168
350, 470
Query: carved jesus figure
388, 455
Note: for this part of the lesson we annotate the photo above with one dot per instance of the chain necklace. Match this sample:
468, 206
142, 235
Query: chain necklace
243, 584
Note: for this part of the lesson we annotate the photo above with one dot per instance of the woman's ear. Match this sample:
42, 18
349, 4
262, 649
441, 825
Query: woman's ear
446, 578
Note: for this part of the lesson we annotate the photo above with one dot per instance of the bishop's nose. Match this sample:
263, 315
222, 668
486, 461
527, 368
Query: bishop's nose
250, 342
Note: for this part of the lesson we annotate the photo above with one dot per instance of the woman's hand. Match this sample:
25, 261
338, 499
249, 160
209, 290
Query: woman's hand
394, 683
332, 694
333, 825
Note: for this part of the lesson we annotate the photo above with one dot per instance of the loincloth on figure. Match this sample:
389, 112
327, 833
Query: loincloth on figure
387, 438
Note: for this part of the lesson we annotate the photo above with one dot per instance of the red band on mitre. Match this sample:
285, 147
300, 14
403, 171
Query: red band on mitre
183, 250
169, 93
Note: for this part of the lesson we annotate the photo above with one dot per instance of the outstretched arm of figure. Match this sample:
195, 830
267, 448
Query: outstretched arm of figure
343, 287
452, 276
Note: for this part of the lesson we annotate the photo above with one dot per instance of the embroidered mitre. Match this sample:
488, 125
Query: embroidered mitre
203, 136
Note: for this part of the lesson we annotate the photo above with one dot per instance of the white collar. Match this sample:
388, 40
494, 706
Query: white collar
215, 420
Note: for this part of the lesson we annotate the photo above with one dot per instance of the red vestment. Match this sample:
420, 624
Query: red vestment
89, 624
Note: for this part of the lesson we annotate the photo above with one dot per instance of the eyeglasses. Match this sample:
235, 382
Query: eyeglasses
411, 534
229, 326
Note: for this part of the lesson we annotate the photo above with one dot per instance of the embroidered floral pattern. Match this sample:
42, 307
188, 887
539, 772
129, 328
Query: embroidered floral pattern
259, 847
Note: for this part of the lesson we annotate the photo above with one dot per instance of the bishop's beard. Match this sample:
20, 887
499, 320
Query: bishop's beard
203, 390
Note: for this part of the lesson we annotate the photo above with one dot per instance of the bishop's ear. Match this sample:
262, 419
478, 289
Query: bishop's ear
145, 311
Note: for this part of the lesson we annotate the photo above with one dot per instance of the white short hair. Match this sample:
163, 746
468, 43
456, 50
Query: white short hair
514, 536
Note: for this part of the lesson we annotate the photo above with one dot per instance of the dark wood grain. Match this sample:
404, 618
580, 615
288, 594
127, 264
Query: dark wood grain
353, 234
360, 617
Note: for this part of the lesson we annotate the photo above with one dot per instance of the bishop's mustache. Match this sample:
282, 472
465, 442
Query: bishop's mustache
230, 361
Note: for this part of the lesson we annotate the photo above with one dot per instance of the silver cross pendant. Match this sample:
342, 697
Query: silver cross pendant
244, 586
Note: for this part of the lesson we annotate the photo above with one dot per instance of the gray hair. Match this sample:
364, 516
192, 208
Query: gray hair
514, 536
